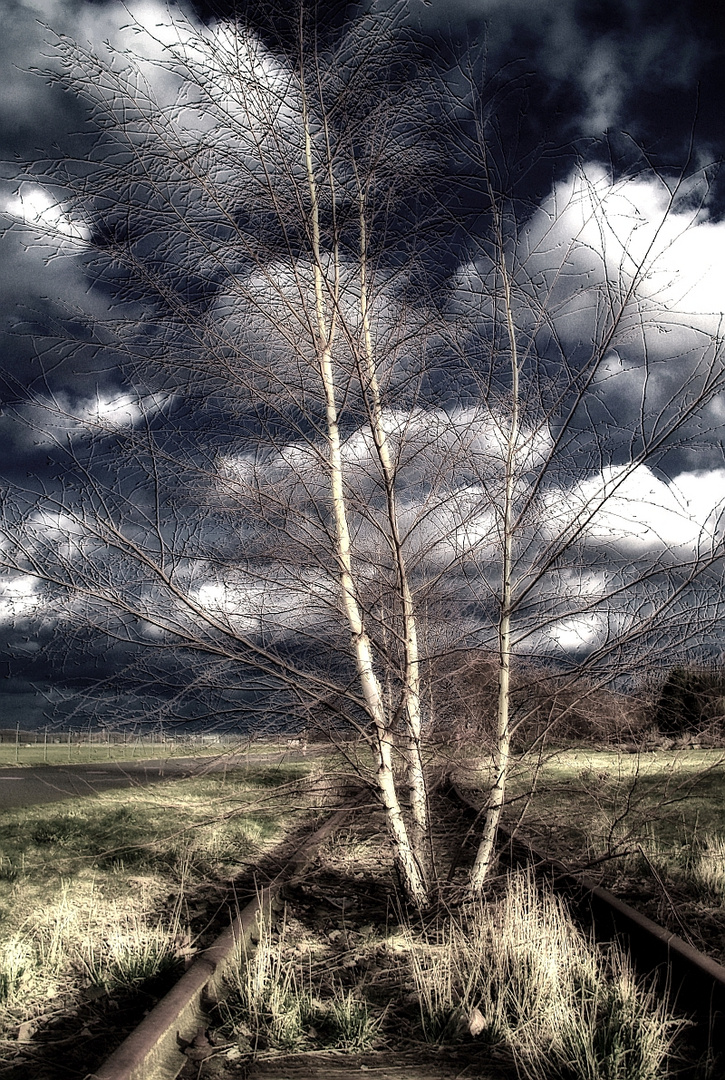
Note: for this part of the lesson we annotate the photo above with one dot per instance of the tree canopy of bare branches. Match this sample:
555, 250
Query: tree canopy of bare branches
344, 425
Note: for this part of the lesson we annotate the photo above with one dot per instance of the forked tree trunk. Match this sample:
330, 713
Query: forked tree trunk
410, 870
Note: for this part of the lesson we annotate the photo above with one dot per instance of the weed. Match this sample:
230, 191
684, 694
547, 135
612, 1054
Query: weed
11, 870
352, 1027
17, 959
519, 972
272, 1002
55, 931
708, 866
129, 955
59, 829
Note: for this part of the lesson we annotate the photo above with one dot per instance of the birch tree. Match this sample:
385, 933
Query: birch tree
598, 557
242, 204
333, 460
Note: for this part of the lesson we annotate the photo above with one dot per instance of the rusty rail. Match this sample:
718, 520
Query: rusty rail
153, 1050
693, 982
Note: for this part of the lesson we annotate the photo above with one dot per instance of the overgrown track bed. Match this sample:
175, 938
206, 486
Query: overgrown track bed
341, 929
649, 825
106, 900
165, 1040
348, 979
693, 981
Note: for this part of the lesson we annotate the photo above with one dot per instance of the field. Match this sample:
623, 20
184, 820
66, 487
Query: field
592, 804
650, 826
104, 899
77, 751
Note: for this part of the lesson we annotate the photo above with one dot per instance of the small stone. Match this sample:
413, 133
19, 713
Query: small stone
476, 1022
233, 1054
26, 1031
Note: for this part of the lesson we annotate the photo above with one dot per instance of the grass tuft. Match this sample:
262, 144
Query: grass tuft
129, 955
10, 870
273, 1003
518, 972
17, 961
708, 866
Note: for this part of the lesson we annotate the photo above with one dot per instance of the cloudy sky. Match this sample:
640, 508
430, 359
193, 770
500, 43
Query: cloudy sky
600, 108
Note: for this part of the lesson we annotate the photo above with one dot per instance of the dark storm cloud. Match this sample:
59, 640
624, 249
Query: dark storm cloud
43, 284
650, 69
594, 67
31, 116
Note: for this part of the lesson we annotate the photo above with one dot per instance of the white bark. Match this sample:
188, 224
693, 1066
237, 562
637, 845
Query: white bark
502, 749
406, 858
411, 704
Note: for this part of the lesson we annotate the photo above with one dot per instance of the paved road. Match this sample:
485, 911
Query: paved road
53, 783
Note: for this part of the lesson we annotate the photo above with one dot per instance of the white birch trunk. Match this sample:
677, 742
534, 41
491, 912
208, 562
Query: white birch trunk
414, 772
410, 870
502, 750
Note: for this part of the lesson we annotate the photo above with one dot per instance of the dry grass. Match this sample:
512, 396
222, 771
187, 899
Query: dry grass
108, 894
517, 972
275, 1002
707, 867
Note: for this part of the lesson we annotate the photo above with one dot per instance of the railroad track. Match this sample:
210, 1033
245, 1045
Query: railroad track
693, 982
155, 1049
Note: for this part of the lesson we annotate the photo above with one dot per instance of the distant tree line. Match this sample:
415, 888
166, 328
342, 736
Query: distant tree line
551, 704
692, 699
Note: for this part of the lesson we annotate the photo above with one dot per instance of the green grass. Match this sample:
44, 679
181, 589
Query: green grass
80, 752
596, 804
110, 891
